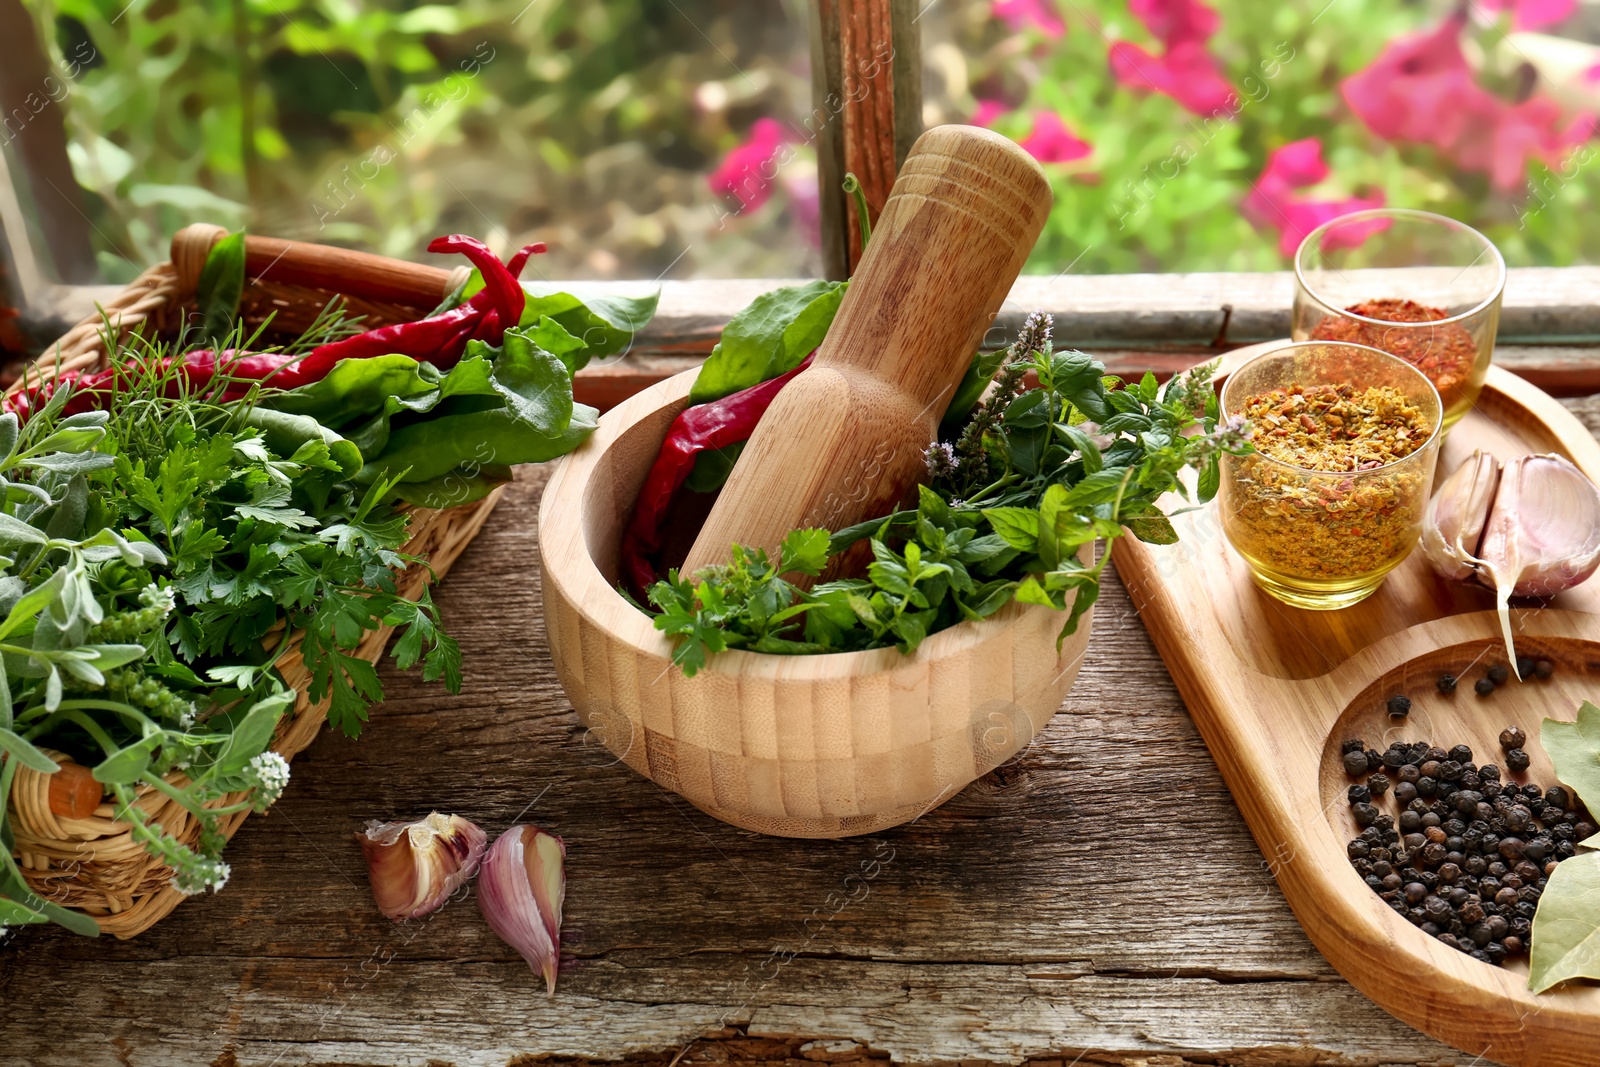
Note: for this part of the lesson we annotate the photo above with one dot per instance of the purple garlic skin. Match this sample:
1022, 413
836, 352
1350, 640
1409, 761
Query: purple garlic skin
415, 866
1543, 533
521, 891
1454, 521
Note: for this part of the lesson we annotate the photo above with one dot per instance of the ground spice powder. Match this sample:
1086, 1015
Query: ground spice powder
1446, 354
1336, 512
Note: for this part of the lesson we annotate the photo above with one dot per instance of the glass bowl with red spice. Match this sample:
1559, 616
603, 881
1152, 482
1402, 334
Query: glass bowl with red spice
1419, 286
1332, 498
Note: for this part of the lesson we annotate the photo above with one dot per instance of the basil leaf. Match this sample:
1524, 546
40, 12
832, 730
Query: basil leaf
126, 765
768, 338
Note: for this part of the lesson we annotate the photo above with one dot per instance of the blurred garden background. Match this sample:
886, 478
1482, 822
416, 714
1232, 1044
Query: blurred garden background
636, 136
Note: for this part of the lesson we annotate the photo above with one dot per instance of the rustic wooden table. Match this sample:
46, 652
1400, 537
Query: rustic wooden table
1021, 922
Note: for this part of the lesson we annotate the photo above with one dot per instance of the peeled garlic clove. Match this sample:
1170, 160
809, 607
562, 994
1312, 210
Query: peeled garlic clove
521, 890
1453, 524
1543, 533
415, 866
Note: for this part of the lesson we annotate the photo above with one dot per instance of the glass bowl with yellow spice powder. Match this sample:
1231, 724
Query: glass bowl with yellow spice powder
1417, 285
1331, 501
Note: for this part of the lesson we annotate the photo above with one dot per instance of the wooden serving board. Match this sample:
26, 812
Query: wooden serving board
1274, 690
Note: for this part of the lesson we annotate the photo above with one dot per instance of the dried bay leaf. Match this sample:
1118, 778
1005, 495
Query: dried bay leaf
1566, 928
1574, 749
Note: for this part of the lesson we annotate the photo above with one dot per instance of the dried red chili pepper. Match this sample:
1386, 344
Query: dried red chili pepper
439, 339
698, 429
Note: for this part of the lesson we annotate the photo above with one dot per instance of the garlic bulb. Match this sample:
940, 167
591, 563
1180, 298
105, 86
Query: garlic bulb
1456, 516
415, 866
520, 893
1533, 531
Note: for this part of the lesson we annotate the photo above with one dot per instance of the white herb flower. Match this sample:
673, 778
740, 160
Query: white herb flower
269, 773
153, 596
200, 874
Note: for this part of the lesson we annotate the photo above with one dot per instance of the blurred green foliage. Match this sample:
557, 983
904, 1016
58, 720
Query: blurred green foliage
594, 125
381, 124
1132, 207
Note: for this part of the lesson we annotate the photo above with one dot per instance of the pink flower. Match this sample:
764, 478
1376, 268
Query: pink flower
1421, 90
1051, 142
1272, 201
1021, 14
1186, 72
1176, 20
987, 111
749, 171
1532, 14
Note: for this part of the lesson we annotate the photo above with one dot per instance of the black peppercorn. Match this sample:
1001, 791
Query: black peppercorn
1512, 945
1479, 932
1405, 793
1408, 773
1495, 951
1517, 760
1446, 683
1378, 784
1355, 763
1483, 687
1358, 794
1543, 668
1513, 737
1537, 848
1354, 744
1449, 770
1583, 830
1532, 792
1410, 822
1365, 814
1489, 773
1461, 754
1498, 673
1395, 757
1399, 706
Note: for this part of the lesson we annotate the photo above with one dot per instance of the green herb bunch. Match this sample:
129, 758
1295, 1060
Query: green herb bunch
1016, 495
155, 556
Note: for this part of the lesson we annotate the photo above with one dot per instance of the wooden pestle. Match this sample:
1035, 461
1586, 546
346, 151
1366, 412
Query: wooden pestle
844, 441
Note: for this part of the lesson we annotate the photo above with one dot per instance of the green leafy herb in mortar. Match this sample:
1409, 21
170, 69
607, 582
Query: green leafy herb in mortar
1033, 478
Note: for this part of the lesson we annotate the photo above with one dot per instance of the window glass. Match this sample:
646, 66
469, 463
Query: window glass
638, 138
1183, 135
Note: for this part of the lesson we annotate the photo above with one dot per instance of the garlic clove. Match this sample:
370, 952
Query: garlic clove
1453, 524
520, 893
415, 866
1543, 533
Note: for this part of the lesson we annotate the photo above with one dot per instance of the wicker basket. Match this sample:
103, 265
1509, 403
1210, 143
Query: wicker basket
93, 864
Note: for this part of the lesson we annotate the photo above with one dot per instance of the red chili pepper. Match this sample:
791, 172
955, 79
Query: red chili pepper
701, 428
439, 339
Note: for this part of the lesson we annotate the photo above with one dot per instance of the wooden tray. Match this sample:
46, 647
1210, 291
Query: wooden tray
1275, 689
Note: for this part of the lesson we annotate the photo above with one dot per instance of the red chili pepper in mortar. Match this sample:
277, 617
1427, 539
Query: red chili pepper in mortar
698, 429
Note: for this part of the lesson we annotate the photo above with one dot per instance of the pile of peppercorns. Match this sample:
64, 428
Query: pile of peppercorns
1469, 855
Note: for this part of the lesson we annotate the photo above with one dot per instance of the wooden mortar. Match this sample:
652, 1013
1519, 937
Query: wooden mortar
844, 441
799, 746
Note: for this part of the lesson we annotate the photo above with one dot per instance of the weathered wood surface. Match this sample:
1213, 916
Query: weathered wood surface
1097, 901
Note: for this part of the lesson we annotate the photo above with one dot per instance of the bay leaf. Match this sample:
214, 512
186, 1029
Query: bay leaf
1566, 928
1574, 750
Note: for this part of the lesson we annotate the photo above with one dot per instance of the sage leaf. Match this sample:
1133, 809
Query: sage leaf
1566, 928
221, 285
22, 750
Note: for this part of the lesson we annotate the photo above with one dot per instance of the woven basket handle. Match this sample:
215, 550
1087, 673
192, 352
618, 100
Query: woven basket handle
355, 274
